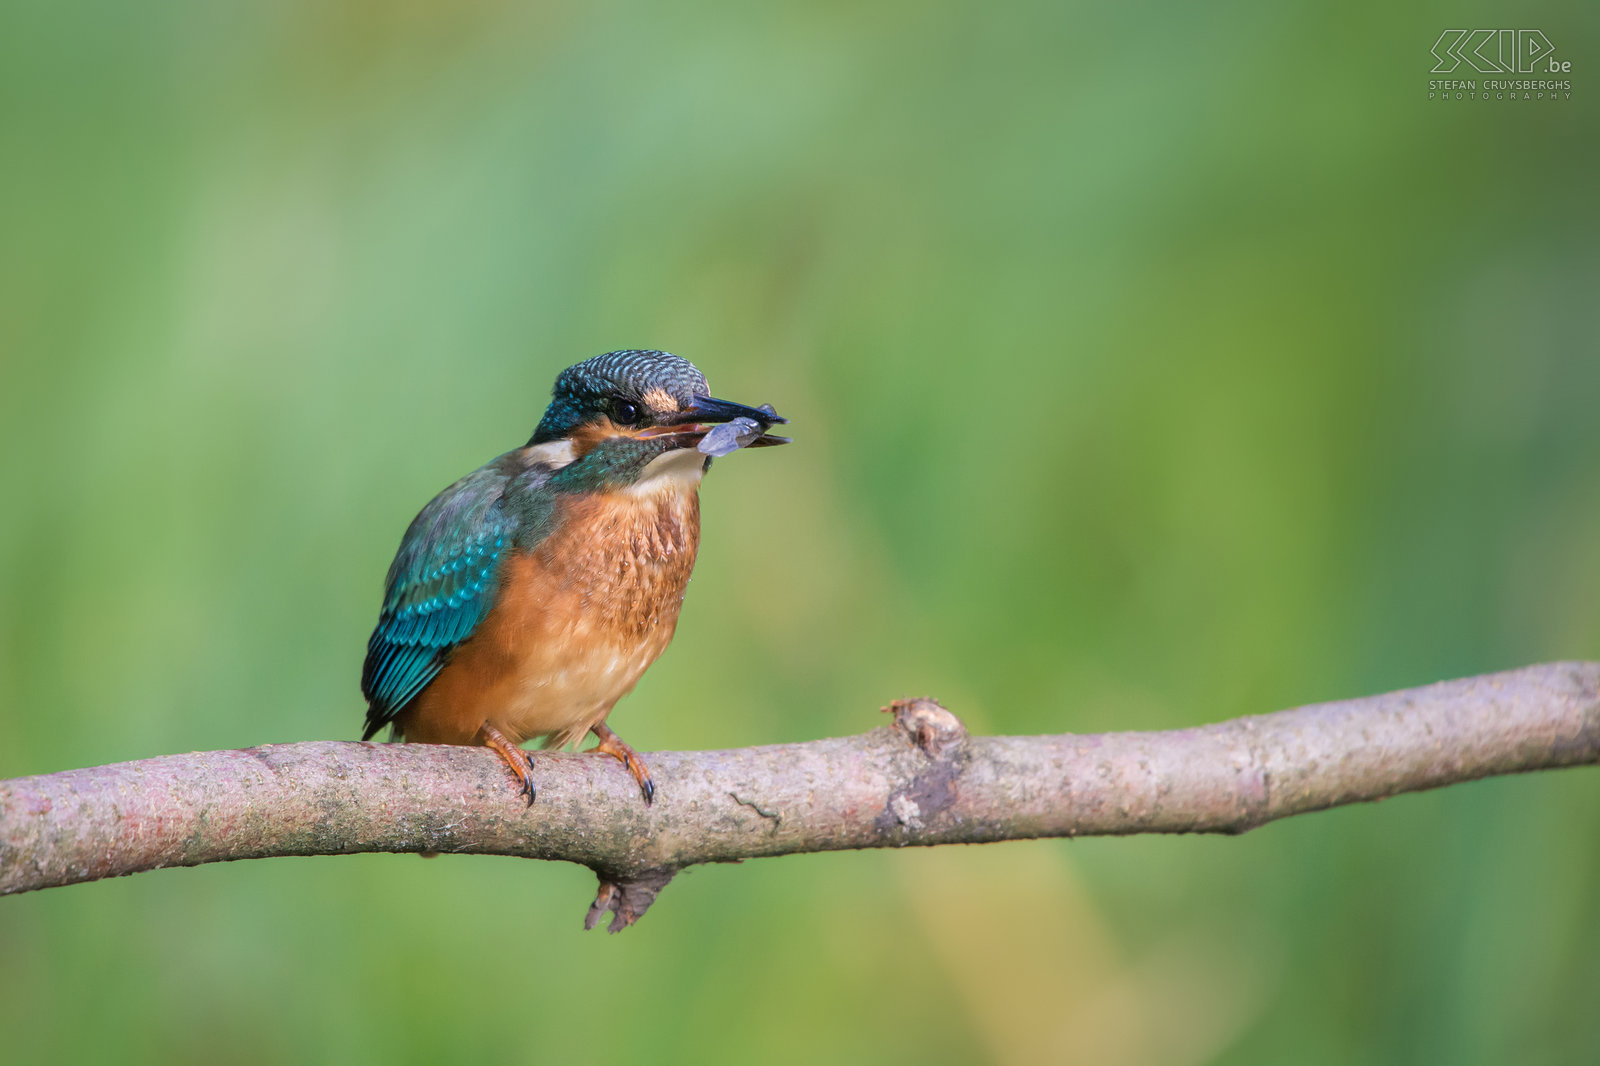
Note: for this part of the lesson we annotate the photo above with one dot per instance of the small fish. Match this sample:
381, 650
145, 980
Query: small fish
730, 436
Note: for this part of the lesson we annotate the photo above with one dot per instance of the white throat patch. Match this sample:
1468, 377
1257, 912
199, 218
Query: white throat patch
679, 470
552, 453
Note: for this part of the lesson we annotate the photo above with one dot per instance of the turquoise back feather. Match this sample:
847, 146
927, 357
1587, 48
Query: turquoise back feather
442, 583
446, 576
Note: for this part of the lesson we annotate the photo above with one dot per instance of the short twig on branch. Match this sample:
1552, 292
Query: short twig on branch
921, 780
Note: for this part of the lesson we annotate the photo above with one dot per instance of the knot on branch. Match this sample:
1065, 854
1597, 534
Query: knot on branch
928, 725
626, 899
940, 736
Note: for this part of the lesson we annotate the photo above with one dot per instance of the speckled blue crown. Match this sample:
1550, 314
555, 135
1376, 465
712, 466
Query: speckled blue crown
628, 373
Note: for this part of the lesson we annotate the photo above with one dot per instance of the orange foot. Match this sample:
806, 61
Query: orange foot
520, 761
617, 748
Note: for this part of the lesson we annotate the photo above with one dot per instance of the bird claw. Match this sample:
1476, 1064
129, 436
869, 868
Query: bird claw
614, 746
515, 757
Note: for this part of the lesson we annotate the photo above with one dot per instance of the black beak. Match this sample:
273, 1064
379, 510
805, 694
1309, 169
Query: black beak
704, 409
707, 409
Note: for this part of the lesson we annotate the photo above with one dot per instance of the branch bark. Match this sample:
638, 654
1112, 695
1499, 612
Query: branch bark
919, 781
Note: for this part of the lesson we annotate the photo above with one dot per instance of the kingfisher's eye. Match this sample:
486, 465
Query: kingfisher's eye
625, 413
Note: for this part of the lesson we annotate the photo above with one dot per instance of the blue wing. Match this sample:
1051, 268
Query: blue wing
441, 584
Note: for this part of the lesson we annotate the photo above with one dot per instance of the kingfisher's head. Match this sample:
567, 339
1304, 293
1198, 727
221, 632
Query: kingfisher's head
643, 402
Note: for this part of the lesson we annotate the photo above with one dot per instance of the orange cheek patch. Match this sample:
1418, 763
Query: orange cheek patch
585, 437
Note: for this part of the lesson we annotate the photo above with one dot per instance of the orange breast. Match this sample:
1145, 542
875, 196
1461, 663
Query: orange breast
576, 624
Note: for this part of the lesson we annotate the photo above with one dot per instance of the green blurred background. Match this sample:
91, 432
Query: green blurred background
1149, 364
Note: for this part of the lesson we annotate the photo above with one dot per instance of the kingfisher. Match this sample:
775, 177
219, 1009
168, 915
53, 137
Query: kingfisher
530, 596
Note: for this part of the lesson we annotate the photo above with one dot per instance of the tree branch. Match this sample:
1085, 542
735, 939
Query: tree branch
919, 781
